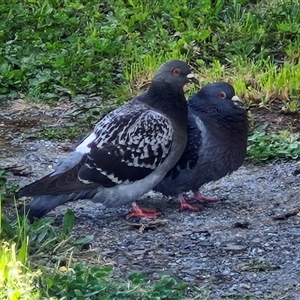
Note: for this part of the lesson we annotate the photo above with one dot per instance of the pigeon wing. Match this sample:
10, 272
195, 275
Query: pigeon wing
190, 156
130, 144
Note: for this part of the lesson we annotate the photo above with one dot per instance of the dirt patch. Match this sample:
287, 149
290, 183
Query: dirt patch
246, 244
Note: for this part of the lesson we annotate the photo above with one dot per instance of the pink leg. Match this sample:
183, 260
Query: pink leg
201, 198
137, 211
186, 206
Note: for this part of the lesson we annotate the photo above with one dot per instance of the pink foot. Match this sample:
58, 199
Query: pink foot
186, 206
137, 211
201, 198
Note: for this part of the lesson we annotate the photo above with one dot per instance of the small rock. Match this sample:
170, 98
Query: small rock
234, 247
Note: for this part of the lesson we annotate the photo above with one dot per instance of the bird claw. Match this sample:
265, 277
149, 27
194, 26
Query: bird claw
202, 199
143, 212
199, 197
184, 205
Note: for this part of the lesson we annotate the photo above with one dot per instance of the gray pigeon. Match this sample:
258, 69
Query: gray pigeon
216, 146
129, 152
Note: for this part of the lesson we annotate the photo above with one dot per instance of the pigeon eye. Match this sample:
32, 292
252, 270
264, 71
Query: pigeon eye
222, 95
176, 71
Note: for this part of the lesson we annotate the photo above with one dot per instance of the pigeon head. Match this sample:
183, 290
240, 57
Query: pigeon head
175, 72
217, 98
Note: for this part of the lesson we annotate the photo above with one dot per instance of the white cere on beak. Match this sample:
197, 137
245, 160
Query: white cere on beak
191, 75
235, 98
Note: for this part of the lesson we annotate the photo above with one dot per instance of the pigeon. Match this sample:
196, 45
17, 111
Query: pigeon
216, 146
128, 153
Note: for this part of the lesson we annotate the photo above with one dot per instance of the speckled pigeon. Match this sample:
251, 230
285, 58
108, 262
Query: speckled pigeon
216, 146
129, 152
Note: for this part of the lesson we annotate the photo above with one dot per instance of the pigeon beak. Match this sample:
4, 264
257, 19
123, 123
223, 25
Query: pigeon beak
191, 78
238, 102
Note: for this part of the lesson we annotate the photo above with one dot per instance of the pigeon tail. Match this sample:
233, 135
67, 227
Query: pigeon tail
41, 205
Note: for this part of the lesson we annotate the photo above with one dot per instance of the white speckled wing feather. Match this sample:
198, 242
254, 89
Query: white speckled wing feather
128, 147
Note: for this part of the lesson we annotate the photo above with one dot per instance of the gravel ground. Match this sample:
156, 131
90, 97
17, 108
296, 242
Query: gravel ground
246, 245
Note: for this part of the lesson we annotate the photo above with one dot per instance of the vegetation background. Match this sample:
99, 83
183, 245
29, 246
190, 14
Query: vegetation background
62, 50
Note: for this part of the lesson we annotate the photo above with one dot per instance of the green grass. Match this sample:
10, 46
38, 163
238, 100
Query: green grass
81, 282
16, 280
53, 48
265, 146
59, 133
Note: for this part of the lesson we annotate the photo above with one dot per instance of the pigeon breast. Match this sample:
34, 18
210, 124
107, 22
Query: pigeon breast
217, 141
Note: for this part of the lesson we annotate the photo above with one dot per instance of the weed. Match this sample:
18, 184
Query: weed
67, 132
259, 264
7, 188
3, 179
95, 283
16, 281
263, 146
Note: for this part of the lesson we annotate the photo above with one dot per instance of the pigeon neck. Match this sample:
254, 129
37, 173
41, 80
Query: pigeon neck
224, 115
167, 98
